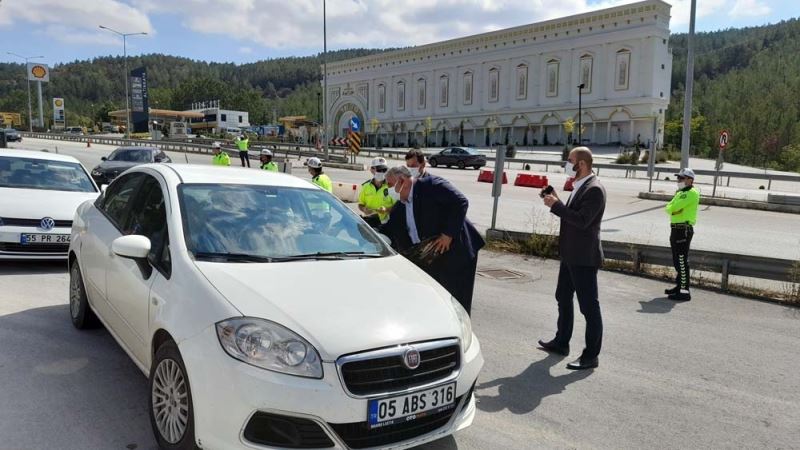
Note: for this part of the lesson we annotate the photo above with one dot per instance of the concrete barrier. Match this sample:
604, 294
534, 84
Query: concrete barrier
728, 202
346, 192
487, 176
531, 180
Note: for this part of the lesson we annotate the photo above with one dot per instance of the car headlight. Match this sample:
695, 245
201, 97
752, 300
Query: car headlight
465, 322
266, 344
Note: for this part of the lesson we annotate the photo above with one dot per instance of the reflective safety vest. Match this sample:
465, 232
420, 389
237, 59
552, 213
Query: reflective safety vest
324, 182
375, 198
270, 166
243, 144
683, 207
221, 160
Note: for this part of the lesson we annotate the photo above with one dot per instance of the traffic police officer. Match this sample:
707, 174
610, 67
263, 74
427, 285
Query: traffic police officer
220, 158
317, 177
374, 199
682, 210
266, 161
244, 145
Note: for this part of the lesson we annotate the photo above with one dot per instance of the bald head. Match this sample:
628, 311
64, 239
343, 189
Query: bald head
582, 154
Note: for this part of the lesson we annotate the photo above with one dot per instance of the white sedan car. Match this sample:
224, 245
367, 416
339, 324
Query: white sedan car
268, 315
39, 193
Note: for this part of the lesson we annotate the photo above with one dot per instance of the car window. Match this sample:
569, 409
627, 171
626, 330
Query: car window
118, 197
471, 151
148, 218
447, 151
272, 222
32, 173
132, 155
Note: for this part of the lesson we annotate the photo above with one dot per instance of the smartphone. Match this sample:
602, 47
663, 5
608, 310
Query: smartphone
546, 191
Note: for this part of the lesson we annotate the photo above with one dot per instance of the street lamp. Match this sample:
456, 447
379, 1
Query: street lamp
580, 113
127, 77
325, 77
27, 58
319, 100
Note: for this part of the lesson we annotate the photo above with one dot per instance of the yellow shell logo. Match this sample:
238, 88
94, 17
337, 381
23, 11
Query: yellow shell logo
39, 71
59, 103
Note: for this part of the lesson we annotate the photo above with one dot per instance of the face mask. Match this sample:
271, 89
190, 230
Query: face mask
379, 176
569, 169
394, 194
414, 171
681, 185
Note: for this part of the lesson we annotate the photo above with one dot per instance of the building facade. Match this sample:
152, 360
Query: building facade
518, 85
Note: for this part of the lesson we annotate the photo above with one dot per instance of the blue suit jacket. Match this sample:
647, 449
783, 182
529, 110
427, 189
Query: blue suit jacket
439, 208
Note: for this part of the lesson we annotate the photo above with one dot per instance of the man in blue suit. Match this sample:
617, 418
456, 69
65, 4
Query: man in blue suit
431, 208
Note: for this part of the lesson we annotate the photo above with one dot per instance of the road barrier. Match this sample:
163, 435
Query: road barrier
487, 176
531, 180
346, 192
726, 264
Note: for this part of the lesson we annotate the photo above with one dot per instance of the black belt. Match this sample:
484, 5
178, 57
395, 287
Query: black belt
681, 225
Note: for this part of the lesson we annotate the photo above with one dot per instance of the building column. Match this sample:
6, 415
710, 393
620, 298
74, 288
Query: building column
594, 129
541, 134
633, 132
608, 131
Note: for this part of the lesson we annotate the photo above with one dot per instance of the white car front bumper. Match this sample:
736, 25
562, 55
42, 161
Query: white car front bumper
12, 248
227, 393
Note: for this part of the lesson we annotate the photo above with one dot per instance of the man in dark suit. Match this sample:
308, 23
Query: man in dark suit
431, 208
581, 257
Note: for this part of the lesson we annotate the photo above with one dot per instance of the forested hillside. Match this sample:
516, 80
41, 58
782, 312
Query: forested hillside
746, 80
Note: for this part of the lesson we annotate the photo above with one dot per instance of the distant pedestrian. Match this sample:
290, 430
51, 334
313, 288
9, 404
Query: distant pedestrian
220, 158
416, 163
581, 257
317, 177
682, 210
243, 143
266, 161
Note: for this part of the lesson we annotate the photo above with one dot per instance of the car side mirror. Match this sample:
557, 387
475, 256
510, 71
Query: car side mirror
386, 239
103, 188
103, 158
132, 246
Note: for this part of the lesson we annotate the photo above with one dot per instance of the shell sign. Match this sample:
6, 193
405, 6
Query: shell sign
38, 72
58, 102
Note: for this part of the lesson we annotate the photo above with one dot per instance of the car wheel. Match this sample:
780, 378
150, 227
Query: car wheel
79, 310
476, 167
461, 165
433, 162
171, 411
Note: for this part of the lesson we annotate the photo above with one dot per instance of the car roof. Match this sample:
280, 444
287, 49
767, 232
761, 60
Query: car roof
207, 174
38, 155
135, 147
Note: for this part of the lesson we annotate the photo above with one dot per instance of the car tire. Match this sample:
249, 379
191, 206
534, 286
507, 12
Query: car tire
433, 162
461, 165
476, 167
172, 416
79, 310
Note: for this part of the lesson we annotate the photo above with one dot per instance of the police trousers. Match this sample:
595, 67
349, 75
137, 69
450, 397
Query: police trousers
680, 239
245, 157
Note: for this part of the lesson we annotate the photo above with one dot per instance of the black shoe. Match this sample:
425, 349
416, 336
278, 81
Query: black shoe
583, 364
680, 297
553, 347
672, 291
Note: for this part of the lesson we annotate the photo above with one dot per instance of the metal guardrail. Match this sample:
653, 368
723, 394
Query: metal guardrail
726, 264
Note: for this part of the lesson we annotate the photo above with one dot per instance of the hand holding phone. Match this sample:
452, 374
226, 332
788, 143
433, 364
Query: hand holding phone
546, 191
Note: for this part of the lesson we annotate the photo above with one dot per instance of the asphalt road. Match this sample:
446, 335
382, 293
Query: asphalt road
717, 372
627, 218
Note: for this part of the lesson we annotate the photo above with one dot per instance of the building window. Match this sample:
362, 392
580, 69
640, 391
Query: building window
381, 98
401, 96
622, 70
494, 85
444, 90
522, 82
586, 73
421, 93
223, 117
468, 88
240, 119
552, 78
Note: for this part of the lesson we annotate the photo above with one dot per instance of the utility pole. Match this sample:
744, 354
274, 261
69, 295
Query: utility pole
127, 74
686, 138
325, 78
30, 112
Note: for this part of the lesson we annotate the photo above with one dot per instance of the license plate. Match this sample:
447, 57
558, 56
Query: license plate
404, 408
44, 239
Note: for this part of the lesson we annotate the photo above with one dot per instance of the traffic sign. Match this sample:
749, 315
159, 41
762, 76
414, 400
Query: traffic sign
354, 142
355, 124
724, 139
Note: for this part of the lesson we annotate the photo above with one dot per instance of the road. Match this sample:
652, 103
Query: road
627, 218
716, 372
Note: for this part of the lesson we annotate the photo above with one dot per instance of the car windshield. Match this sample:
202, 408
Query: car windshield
131, 155
31, 173
267, 223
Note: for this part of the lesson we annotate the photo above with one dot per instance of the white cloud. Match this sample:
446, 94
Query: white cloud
750, 8
77, 21
245, 50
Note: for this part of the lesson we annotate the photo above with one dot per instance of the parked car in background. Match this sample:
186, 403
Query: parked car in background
123, 159
225, 289
39, 194
460, 157
12, 135
78, 131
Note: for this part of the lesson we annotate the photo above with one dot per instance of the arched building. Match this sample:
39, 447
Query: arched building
518, 85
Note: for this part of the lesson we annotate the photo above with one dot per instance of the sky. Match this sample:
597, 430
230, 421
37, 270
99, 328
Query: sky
242, 31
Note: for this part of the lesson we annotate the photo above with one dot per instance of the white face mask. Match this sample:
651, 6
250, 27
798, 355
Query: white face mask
379, 176
394, 194
414, 171
681, 185
569, 169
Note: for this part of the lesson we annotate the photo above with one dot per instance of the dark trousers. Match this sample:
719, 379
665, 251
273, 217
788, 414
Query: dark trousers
458, 279
680, 239
245, 157
583, 281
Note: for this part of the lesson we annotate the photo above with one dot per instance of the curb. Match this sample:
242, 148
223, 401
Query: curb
729, 203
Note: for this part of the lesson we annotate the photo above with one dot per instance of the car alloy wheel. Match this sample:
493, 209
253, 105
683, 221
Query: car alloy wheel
433, 162
461, 165
79, 310
170, 401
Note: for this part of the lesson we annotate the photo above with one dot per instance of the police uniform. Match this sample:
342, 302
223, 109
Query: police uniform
244, 145
222, 159
374, 198
323, 181
270, 166
682, 210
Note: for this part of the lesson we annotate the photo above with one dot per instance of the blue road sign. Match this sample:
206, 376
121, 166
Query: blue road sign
355, 124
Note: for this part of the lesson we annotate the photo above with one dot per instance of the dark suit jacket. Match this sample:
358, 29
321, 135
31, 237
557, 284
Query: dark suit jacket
579, 239
439, 208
